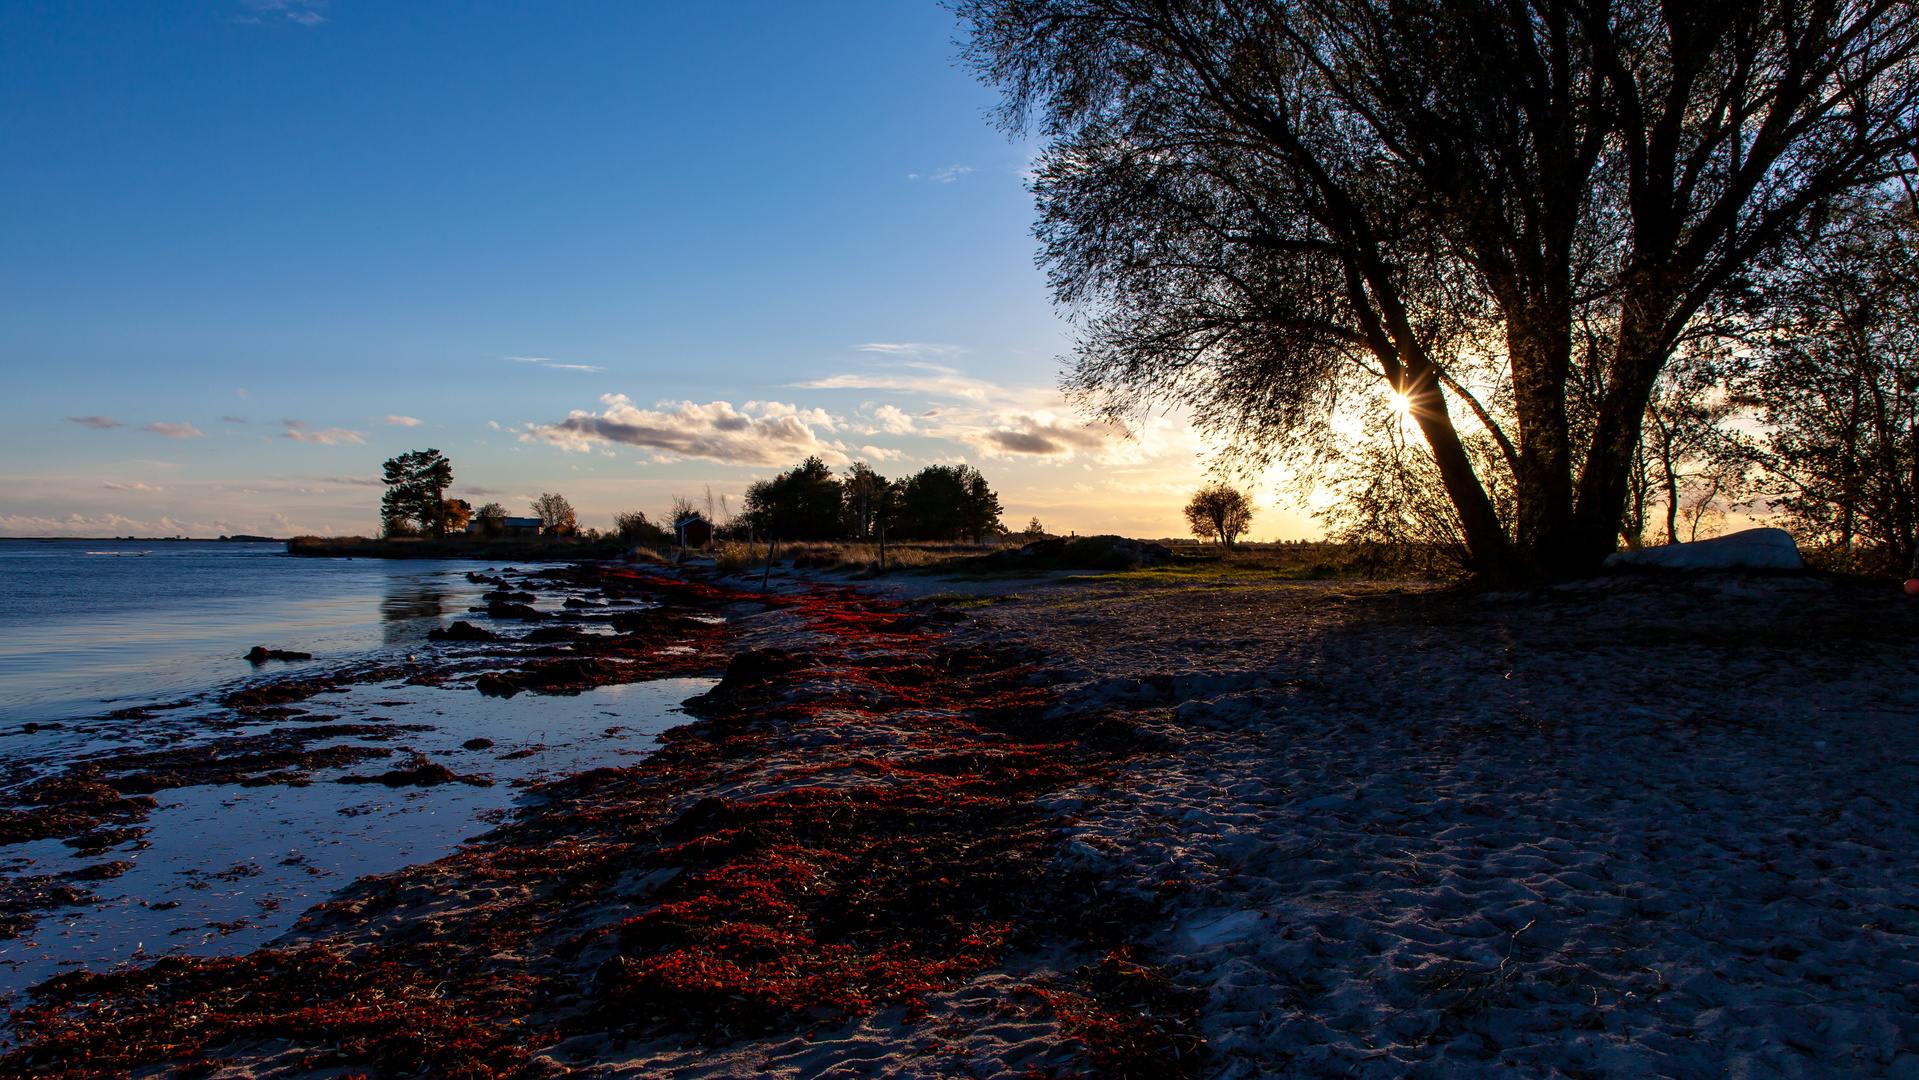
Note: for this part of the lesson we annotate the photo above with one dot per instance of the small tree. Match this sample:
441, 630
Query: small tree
632, 527
555, 514
492, 518
416, 483
1034, 530
1219, 510
869, 496
458, 513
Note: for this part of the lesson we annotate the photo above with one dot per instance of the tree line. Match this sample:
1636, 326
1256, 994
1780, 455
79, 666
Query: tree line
810, 502
807, 502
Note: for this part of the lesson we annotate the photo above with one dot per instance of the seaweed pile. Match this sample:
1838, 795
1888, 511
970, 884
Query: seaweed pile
849, 824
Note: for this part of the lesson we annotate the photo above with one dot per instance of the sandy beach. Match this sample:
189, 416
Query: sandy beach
1639, 826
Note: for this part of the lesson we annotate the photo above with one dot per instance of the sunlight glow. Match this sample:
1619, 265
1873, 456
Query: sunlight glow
1402, 406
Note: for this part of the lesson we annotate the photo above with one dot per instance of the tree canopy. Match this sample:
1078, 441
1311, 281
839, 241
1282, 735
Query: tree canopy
1219, 511
803, 503
1514, 213
416, 484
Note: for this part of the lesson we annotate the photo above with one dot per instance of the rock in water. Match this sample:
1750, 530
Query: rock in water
1753, 549
260, 654
461, 631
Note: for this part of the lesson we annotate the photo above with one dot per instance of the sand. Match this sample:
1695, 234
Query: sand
1643, 826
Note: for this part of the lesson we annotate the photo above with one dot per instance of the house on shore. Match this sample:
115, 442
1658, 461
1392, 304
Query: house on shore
694, 532
513, 526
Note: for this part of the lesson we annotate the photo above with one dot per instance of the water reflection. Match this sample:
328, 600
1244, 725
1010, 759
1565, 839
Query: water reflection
411, 607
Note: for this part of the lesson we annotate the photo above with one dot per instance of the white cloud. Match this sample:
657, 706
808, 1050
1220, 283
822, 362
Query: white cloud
760, 433
352, 481
912, 350
304, 12
890, 418
97, 423
301, 431
943, 176
175, 431
135, 486
233, 419
946, 383
400, 421
547, 362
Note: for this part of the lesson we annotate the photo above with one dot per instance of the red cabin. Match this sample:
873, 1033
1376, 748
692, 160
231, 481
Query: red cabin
694, 532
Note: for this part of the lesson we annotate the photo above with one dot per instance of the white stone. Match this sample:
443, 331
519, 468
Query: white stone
1753, 549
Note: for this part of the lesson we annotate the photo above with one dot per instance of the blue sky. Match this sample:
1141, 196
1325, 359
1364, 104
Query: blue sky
251, 248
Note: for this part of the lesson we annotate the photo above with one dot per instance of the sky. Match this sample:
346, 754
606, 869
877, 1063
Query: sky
249, 249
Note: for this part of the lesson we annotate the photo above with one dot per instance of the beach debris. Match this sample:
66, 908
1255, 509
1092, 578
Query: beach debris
260, 654
461, 631
1752, 549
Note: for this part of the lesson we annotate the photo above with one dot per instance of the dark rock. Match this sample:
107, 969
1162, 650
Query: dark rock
260, 654
500, 609
1050, 546
461, 631
548, 634
497, 685
477, 744
756, 665
423, 773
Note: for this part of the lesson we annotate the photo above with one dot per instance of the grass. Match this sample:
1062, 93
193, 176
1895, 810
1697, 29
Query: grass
1191, 563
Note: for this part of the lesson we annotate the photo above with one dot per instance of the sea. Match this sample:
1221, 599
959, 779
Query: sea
90, 628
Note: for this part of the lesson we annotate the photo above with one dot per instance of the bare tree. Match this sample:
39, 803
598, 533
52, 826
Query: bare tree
1219, 511
1259, 204
555, 513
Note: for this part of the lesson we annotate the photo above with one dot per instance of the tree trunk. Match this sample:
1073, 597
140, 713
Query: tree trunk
1641, 353
1540, 343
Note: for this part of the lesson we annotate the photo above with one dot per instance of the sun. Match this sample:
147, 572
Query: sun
1401, 406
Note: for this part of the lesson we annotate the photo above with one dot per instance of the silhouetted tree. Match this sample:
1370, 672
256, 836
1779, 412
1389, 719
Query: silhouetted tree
632, 527
803, 503
947, 502
1219, 511
1262, 203
416, 483
555, 514
492, 518
1837, 388
869, 499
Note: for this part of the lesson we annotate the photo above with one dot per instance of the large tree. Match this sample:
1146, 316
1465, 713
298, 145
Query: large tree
415, 498
947, 502
803, 503
1255, 204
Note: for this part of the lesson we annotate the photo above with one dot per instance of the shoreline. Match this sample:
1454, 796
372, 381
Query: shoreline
1202, 829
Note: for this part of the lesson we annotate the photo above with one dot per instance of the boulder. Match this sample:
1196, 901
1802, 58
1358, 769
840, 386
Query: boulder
260, 654
461, 631
1753, 549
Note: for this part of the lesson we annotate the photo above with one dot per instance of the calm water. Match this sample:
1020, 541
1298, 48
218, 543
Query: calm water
87, 627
